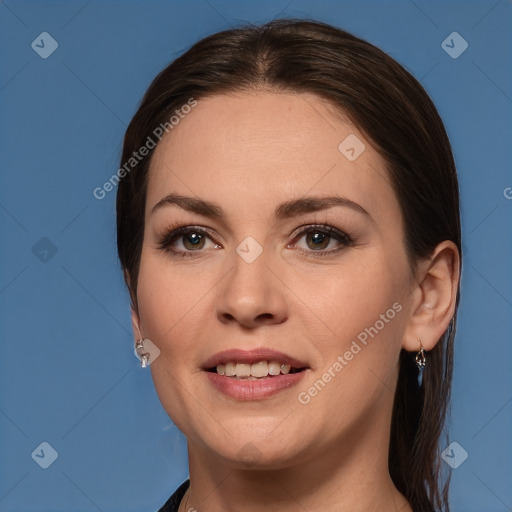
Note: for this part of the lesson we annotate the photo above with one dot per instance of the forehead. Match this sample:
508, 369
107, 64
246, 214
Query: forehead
258, 148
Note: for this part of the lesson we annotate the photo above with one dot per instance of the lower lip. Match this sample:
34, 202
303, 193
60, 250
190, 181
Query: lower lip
243, 389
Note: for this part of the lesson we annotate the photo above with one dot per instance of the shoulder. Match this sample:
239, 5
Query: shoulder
173, 503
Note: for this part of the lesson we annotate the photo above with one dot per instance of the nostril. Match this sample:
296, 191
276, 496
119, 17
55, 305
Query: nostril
265, 316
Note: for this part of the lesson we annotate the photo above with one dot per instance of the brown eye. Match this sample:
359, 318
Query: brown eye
193, 241
317, 240
187, 240
322, 240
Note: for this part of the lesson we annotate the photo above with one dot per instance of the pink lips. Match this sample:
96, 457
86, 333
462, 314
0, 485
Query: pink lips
245, 389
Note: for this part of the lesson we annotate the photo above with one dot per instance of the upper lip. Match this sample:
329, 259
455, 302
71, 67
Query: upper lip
252, 356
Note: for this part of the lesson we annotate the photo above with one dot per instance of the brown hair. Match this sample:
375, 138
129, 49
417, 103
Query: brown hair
390, 107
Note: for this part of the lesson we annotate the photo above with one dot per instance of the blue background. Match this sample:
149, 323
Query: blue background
67, 371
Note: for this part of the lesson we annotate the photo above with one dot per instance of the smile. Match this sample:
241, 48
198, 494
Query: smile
259, 370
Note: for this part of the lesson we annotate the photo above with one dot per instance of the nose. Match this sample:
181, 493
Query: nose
252, 295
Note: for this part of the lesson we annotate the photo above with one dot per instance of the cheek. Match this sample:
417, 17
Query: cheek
352, 296
363, 310
177, 310
362, 319
167, 300
172, 307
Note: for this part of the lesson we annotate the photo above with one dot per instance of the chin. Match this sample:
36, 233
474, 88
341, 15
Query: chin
258, 452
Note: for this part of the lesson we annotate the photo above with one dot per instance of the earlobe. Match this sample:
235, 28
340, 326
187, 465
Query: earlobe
435, 297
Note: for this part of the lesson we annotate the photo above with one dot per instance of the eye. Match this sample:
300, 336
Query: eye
185, 240
321, 239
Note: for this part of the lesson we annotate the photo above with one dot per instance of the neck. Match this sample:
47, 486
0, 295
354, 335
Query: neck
353, 476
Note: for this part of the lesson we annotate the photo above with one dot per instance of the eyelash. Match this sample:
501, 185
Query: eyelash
173, 232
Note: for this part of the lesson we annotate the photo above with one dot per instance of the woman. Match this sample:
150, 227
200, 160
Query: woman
288, 227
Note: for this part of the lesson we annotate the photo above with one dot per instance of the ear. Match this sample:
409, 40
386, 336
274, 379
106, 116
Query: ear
135, 324
434, 297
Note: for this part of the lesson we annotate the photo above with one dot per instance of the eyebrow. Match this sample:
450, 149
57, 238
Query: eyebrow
283, 211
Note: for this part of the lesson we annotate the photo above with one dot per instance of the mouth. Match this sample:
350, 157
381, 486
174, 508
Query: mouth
261, 363
256, 371
253, 375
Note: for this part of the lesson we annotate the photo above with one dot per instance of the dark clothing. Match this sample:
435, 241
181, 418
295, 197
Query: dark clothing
173, 503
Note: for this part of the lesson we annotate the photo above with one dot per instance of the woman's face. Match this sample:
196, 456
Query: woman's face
294, 242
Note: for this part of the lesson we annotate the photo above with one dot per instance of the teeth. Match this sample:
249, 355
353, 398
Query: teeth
285, 368
274, 368
230, 369
258, 370
243, 370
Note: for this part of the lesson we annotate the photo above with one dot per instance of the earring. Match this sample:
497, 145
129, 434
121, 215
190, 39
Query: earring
420, 358
144, 356
421, 362
139, 349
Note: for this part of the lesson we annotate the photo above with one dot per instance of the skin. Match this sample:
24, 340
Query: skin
249, 153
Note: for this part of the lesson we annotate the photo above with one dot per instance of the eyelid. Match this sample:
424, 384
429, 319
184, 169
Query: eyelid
344, 239
323, 228
174, 230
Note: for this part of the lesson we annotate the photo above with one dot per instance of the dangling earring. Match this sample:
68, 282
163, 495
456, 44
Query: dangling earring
421, 362
139, 349
144, 356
